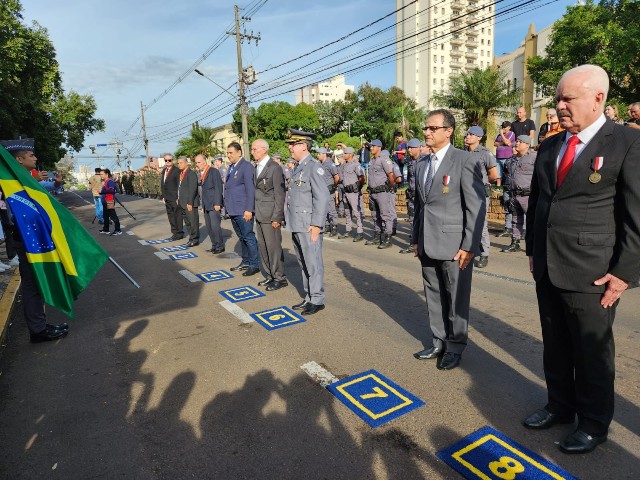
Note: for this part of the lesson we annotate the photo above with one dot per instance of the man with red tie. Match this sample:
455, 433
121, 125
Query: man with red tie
583, 243
169, 180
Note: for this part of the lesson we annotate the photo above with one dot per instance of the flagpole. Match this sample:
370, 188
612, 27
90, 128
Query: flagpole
135, 284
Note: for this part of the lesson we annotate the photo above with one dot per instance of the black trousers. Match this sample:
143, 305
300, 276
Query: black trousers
110, 214
579, 355
192, 221
32, 304
174, 212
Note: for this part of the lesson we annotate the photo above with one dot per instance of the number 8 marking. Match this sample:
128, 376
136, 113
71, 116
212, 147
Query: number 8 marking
506, 468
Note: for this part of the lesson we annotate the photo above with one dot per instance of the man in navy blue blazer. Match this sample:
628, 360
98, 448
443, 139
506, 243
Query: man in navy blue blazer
239, 198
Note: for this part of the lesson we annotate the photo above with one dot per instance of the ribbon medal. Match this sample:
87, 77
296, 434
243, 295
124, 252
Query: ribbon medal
445, 181
595, 177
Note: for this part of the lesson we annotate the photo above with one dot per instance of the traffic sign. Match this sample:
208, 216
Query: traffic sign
489, 454
374, 398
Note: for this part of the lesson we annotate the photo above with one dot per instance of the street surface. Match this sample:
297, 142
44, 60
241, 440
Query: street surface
163, 382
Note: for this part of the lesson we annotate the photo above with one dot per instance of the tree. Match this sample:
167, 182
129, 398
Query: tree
479, 95
32, 100
376, 113
198, 143
607, 34
331, 116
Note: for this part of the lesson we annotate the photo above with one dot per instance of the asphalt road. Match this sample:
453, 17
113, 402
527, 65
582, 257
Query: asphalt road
163, 382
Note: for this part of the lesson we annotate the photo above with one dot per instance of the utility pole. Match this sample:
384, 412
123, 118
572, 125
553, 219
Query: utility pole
244, 77
144, 137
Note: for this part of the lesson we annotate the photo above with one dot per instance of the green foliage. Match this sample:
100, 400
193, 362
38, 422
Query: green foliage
331, 116
65, 167
32, 100
343, 137
479, 95
198, 143
607, 34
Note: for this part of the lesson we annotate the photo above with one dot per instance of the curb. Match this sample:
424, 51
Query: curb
6, 303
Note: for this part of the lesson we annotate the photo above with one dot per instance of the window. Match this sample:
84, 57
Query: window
482, 41
435, 69
443, 10
434, 81
442, 59
489, 31
435, 59
442, 70
442, 82
488, 42
442, 48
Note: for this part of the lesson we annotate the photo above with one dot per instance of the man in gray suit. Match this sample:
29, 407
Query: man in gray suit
308, 203
269, 214
447, 226
189, 200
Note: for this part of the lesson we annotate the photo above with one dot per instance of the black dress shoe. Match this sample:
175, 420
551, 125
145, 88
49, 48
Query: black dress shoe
60, 326
277, 284
192, 244
210, 250
251, 271
449, 361
48, 334
300, 306
217, 251
580, 442
237, 268
407, 250
265, 281
543, 418
310, 309
177, 237
428, 353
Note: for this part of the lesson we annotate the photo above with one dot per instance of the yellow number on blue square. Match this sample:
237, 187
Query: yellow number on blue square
275, 318
177, 248
489, 454
215, 276
241, 294
183, 256
374, 398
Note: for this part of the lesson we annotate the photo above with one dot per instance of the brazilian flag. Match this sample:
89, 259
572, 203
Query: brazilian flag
64, 257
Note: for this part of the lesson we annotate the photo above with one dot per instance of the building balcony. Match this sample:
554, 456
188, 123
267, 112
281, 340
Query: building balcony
456, 41
471, 66
472, 55
471, 43
456, 25
455, 63
458, 4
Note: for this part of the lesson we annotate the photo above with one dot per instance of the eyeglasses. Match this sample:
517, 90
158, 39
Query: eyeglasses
432, 129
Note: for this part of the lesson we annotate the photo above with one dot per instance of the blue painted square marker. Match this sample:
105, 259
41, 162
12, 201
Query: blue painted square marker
489, 454
177, 248
215, 276
275, 318
156, 242
374, 398
183, 256
241, 294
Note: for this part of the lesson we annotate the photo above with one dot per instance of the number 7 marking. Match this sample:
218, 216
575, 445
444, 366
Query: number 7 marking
379, 393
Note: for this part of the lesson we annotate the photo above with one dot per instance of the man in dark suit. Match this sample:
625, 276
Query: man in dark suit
189, 200
269, 208
170, 178
447, 228
583, 243
210, 183
239, 199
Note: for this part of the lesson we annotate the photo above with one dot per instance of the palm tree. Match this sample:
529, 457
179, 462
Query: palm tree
198, 142
479, 95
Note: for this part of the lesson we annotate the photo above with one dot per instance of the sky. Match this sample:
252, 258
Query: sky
127, 52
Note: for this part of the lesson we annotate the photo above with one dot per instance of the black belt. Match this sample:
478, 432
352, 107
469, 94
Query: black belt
332, 188
352, 188
379, 189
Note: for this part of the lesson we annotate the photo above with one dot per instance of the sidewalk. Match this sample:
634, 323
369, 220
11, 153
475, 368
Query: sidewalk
9, 286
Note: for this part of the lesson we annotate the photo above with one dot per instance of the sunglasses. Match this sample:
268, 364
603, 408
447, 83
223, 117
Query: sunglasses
433, 129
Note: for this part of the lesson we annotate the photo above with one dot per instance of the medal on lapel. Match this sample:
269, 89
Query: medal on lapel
596, 165
299, 180
445, 181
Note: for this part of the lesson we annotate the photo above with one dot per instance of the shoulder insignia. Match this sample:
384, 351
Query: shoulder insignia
389, 162
320, 171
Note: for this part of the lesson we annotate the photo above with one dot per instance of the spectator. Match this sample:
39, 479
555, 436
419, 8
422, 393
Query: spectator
504, 148
553, 126
95, 184
611, 112
634, 116
108, 193
523, 125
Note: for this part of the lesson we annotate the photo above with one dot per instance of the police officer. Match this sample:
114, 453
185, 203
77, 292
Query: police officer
381, 182
520, 171
340, 199
413, 156
352, 181
489, 174
308, 203
331, 179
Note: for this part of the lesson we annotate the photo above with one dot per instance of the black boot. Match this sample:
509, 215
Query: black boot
358, 238
374, 241
334, 231
385, 241
482, 262
507, 232
514, 247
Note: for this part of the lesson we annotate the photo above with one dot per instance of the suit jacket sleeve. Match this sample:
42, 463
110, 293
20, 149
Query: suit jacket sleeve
248, 178
277, 177
216, 179
320, 196
474, 203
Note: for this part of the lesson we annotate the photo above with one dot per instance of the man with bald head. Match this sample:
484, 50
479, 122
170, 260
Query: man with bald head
583, 243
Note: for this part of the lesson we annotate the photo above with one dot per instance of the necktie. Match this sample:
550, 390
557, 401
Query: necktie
567, 160
429, 179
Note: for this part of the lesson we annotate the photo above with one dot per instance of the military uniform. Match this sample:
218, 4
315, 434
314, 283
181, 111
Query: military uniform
350, 173
520, 172
340, 192
379, 188
392, 196
308, 202
332, 215
488, 161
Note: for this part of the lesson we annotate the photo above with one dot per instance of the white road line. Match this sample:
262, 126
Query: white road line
319, 374
143, 242
88, 203
189, 276
129, 232
236, 311
328, 239
161, 256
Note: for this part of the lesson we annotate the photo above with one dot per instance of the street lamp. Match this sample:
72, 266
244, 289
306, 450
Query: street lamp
216, 83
